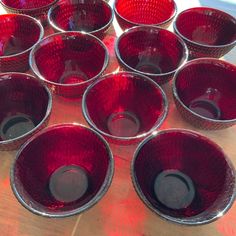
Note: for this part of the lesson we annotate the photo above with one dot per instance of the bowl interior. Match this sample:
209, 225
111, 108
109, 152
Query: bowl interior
186, 175
207, 26
151, 50
27, 4
62, 169
145, 12
208, 88
81, 16
17, 34
125, 105
69, 58
23, 105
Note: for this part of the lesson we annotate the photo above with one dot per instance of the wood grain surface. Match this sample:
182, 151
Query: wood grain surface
120, 212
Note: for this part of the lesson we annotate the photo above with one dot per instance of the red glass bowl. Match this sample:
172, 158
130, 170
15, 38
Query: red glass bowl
151, 51
124, 107
131, 13
183, 177
25, 106
204, 92
18, 34
62, 171
34, 8
68, 62
207, 32
94, 17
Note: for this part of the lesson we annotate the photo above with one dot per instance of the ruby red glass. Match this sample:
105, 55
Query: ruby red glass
27, 4
18, 34
35, 8
25, 106
204, 92
151, 51
183, 177
68, 62
207, 32
89, 16
124, 107
131, 13
62, 171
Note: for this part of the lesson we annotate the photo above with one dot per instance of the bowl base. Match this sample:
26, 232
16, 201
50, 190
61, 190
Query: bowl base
11, 46
77, 24
148, 67
72, 78
72, 74
174, 189
205, 108
68, 183
123, 124
15, 126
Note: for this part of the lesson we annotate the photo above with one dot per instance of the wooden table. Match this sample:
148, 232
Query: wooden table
120, 212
